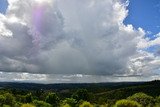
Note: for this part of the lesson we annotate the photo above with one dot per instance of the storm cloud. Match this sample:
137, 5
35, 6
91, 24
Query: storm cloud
70, 37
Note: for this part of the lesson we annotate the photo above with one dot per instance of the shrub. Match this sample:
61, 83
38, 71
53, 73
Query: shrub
67, 105
9, 99
6, 105
17, 104
81, 94
52, 99
41, 104
158, 99
28, 98
104, 105
21, 98
143, 99
27, 105
127, 103
70, 101
2, 100
86, 104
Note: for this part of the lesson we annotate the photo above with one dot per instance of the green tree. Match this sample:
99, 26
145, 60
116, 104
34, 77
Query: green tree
6, 105
158, 99
2, 100
143, 99
67, 105
9, 99
52, 99
127, 103
27, 105
28, 98
86, 104
41, 104
18, 104
21, 98
71, 101
81, 94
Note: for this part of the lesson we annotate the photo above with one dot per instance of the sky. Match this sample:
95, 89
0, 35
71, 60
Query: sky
3, 7
66, 41
144, 14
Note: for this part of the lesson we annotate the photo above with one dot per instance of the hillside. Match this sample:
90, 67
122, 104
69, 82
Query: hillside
94, 93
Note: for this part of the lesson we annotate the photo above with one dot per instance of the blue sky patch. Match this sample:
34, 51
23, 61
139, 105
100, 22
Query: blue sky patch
144, 14
3, 6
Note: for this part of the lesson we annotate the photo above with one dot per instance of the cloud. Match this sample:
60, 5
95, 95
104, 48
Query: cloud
146, 42
145, 64
147, 61
76, 78
70, 37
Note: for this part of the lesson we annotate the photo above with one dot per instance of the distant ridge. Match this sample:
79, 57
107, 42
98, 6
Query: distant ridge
61, 86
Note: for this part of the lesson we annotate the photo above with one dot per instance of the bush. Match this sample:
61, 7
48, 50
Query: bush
104, 105
81, 94
21, 98
28, 98
143, 99
86, 104
158, 99
127, 103
41, 104
67, 105
6, 105
2, 100
52, 99
70, 101
17, 104
9, 99
27, 105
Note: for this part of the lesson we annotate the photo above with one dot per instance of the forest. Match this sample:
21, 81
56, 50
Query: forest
122, 94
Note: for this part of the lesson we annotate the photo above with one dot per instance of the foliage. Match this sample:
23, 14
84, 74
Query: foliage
27, 105
9, 99
28, 98
67, 105
41, 104
18, 104
81, 94
127, 103
52, 99
21, 98
6, 105
143, 99
158, 99
75, 95
86, 104
2, 100
69, 101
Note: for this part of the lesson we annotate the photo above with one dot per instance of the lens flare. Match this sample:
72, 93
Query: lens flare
37, 16
37, 19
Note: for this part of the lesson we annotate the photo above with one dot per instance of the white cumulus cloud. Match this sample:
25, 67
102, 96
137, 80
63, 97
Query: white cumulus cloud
72, 37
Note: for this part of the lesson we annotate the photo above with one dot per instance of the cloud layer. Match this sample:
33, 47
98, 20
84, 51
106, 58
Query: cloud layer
71, 37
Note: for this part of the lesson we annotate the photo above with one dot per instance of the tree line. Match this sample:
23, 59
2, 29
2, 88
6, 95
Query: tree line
79, 98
